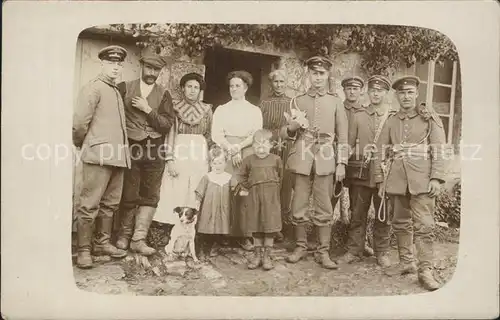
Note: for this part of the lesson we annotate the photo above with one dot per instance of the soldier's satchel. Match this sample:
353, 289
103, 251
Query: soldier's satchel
360, 169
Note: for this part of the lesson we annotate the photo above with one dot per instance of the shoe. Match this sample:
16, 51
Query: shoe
401, 269
279, 237
267, 263
368, 251
143, 220
107, 249
122, 243
348, 258
324, 236
427, 280
256, 261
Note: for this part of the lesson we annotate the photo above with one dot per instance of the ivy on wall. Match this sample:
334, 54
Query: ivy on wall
381, 47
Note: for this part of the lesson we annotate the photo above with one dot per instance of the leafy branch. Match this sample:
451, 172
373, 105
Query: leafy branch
381, 47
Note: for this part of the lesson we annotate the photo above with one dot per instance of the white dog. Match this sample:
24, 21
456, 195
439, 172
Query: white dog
183, 233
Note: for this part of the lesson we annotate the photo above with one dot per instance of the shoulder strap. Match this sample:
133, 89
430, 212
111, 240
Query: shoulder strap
381, 126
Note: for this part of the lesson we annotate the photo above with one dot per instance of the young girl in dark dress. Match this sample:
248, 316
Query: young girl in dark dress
260, 178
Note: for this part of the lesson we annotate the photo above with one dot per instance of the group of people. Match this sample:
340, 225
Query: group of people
245, 167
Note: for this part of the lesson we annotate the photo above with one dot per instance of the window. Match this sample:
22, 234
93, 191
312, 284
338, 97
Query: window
438, 89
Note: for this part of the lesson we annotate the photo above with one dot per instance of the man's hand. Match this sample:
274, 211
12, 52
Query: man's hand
234, 149
141, 104
172, 169
237, 159
434, 188
340, 172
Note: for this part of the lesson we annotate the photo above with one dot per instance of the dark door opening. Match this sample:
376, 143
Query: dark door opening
219, 62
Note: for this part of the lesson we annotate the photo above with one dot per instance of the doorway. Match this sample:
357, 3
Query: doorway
220, 61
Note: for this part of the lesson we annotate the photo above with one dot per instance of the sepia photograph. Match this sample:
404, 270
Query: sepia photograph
266, 159
250, 160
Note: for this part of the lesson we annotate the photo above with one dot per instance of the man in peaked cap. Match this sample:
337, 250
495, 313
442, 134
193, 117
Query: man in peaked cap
416, 171
150, 115
313, 159
364, 129
99, 130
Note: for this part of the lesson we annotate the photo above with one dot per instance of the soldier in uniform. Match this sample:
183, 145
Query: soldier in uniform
99, 130
415, 173
150, 115
364, 129
314, 160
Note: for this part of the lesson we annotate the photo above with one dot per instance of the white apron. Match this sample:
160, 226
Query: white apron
191, 162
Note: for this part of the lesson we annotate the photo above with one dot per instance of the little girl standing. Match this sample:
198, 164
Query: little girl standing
214, 196
260, 179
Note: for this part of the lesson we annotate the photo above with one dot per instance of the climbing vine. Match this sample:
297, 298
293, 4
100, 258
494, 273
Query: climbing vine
381, 47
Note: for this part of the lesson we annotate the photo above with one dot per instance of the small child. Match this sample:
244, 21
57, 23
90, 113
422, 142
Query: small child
214, 193
260, 179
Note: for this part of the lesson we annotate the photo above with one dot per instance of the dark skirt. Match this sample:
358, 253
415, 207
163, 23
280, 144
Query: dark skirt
263, 209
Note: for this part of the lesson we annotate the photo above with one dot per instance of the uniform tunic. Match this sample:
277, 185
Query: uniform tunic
418, 158
262, 178
313, 155
365, 122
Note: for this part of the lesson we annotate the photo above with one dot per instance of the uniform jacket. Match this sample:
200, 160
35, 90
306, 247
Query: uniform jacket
352, 108
414, 164
364, 124
99, 124
316, 145
153, 125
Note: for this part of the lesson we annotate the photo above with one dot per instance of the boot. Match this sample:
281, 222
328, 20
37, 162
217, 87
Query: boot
427, 280
102, 246
367, 250
256, 261
279, 237
267, 263
300, 250
324, 235
406, 263
84, 236
143, 220
126, 228
383, 260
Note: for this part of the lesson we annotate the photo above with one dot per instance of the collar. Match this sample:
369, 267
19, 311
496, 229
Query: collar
354, 105
106, 79
314, 92
410, 114
379, 110
276, 95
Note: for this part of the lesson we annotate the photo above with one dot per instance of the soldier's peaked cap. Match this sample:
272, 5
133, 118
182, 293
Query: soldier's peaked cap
353, 81
406, 81
379, 82
112, 53
318, 63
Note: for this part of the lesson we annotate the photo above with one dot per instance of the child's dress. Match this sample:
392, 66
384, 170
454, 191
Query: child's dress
214, 192
262, 178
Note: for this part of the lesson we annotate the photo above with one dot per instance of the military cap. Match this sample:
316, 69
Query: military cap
112, 53
379, 82
318, 63
406, 81
153, 60
354, 81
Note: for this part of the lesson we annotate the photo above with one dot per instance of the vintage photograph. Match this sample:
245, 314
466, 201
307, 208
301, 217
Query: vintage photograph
265, 159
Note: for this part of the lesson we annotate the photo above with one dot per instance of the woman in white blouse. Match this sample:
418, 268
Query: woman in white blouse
233, 126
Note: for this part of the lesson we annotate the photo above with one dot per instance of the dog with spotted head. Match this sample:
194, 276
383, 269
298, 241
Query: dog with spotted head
182, 238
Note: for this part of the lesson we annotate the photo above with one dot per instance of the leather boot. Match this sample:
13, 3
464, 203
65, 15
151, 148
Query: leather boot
300, 250
126, 228
406, 263
143, 220
427, 280
347, 258
256, 261
84, 239
324, 235
102, 246
383, 260
267, 263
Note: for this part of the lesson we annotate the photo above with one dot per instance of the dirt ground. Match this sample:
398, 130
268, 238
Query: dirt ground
227, 275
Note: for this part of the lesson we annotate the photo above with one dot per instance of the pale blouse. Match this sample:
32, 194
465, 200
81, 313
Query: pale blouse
238, 118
